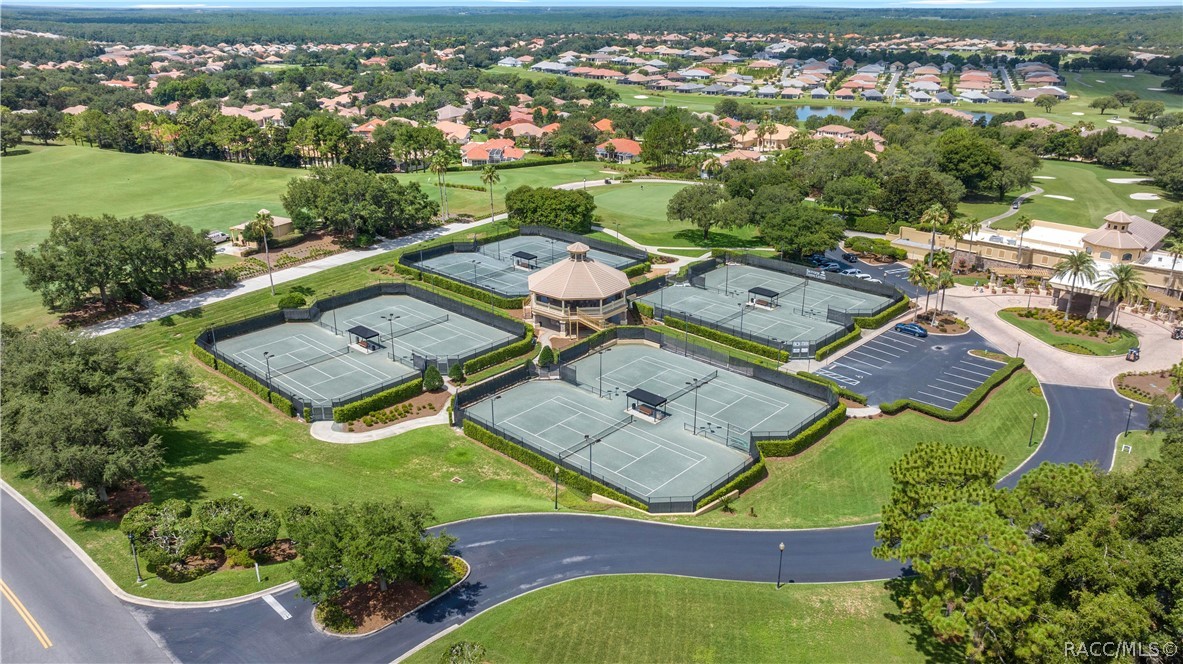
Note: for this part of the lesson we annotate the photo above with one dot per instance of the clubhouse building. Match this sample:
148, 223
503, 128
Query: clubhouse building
578, 293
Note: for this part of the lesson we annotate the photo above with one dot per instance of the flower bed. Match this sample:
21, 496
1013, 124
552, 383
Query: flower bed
1144, 386
426, 404
365, 608
1074, 334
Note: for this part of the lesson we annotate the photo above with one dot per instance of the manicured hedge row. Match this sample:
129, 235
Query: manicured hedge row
724, 338
963, 407
543, 465
506, 165
841, 391
469, 187
741, 483
503, 354
826, 351
637, 270
458, 288
363, 407
883, 317
643, 309
804, 440
246, 381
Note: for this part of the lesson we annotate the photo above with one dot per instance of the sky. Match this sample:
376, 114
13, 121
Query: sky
827, 4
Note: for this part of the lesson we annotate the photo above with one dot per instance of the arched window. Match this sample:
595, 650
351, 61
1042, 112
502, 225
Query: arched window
1105, 255
1088, 250
1127, 257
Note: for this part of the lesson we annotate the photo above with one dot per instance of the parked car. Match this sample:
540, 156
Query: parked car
914, 329
873, 280
218, 237
832, 267
852, 272
1015, 205
849, 257
865, 277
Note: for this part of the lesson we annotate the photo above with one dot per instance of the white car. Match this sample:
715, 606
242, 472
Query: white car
218, 237
852, 272
870, 279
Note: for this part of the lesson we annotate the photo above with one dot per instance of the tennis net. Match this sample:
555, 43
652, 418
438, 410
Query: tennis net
686, 390
731, 317
309, 362
414, 328
594, 438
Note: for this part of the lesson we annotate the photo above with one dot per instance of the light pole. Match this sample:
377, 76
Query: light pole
1129, 414
1029, 294
1017, 347
1031, 438
333, 294
741, 306
493, 410
267, 355
693, 383
780, 565
556, 488
474, 270
131, 539
601, 354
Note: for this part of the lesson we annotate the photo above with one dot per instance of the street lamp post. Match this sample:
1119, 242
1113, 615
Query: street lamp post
556, 488
135, 555
493, 410
1017, 347
267, 355
1129, 414
780, 565
1031, 438
333, 294
601, 378
693, 383
741, 307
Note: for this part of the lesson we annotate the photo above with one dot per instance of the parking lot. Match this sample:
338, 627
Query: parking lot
937, 370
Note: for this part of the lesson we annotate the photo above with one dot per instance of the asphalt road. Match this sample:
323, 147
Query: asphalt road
79, 619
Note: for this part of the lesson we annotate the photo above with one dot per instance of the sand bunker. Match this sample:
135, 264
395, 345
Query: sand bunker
1157, 89
1152, 211
1044, 177
1127, 75
1058, 197
640, 96
1145, 196
1077, 113
1128, 180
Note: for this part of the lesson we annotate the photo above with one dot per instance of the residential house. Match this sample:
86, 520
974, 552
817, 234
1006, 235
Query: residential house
779, 139
624, 150
493, 151
450, 113
454, 132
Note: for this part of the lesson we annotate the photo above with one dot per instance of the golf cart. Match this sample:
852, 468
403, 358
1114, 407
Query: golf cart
1133, 355
1177, 333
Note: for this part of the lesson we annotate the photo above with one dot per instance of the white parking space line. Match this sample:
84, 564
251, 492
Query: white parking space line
274, 603
945, 389
980, 366
939, 398
968, 371
950, 382
899, 338
848, 356
866, 348
839, 378
885, 349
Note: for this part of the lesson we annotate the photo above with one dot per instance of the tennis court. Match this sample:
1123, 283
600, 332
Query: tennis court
503, 267
800, 315
700, 443
314, 362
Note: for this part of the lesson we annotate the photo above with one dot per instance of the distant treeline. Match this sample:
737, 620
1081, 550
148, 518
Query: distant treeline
1134, 27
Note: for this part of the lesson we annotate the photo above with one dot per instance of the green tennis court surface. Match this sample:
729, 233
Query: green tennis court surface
679, 457
495, 268
315, 362
799, 316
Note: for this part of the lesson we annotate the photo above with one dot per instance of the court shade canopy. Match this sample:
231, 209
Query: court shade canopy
762, 294
361, 332
646, 402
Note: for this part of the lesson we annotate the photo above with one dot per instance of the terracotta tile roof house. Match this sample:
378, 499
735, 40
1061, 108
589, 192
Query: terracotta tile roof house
731, 124
1036, 123
366, 129
449, 113
763, 64
834, 131
778, 140
74, 110
604, 124
845, 94
625, 149
790, 93
739, 155
493, 151
483, 95
399, 102
519, 129
454, 131
1122, 130
952, 112
974, 85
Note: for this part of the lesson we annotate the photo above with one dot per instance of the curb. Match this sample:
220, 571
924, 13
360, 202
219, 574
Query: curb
111, 586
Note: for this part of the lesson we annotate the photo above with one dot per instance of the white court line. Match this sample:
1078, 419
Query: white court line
691, 467
349, 360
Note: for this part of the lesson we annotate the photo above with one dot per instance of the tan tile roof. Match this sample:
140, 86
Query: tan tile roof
578, 278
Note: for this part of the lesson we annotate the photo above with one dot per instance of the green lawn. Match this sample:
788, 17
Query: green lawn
234, 445
1093, 196
66, 179
844, 479
647, 618
1084, 87
1146, 446
689, 253
638, 210
1043, 331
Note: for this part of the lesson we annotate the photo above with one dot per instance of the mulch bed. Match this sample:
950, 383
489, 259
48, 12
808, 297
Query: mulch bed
418, 410
1149, 386
372, 609
120, 501
280, 552
944, 325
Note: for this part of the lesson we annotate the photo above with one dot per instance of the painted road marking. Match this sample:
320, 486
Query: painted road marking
273, 603
26, 616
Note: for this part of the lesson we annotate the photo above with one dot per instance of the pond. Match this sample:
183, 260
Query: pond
806, 112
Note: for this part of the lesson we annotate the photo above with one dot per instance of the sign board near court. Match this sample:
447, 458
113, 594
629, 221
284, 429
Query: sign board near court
815, 274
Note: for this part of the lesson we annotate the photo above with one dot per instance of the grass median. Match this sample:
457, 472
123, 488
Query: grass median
1104, 344
647, 618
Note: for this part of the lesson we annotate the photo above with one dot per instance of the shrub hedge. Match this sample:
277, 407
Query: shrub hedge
386, 399
504, 166
741, 483
543, 465
458, 288
637, 270
804, 440
246, 381
963, 407
503, 354
838, 389
828, 350
724, 338
883, 317
643, 309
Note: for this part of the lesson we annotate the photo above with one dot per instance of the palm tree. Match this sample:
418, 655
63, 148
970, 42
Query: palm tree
971, 226
712, 166
439, 166
920, 277
763, 131
1123, 283
1023, 225
1078, 264
490, 177
261, 228
1174, 247
935, 215
944, 280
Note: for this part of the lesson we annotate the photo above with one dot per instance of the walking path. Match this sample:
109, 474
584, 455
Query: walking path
1035, 191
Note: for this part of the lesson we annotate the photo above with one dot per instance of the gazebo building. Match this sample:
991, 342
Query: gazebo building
578, 293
